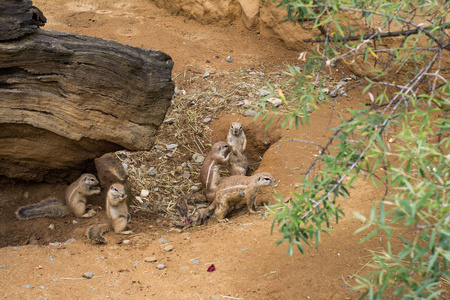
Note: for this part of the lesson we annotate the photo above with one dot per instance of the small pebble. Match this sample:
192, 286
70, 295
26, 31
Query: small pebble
207, 99
182, 268
206, 75
152, 171
161, 266
2, 267
213, 89
195, 262
229, 59
139, 199
42, 287
69, 241
275, 101
244, 249
150, 259
171, 146
198, 158
88, 275
194, 188
55, 244
29, 286
15, 247
55, 280
206, 120
250, 113
263, 92
145, 193
334, 93
162, 240
126, 242
353, 77
74, 222
51, 226
168, 248
137, 262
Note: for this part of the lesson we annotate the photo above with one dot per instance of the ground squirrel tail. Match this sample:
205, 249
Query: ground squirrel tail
46, 208
94, 232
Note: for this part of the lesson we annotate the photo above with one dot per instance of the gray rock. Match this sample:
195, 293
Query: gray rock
206, 75
171, 146
207, 99
344, 94
161, 266
169, 121
152, 171
29, 286
229, 59
194, 188
55, 244
250, 113
186, 165
162, 240
198, 158
213, 89
88, 275
263, 92
206, 120
2, 267
195, 262
334, 93
354, 77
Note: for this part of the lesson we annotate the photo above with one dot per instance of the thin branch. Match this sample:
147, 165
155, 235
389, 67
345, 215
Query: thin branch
374, 36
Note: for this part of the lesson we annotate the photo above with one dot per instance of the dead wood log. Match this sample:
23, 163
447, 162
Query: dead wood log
66, 99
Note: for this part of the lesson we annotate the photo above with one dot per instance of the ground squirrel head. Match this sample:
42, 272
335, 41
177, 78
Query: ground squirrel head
236, 128
221, 152
117, 191
264, 179
89, 180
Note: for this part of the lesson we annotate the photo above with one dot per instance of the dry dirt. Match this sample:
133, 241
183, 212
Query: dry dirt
248, 264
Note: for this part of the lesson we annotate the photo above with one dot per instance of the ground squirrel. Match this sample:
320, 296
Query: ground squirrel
238, 142
117, 212
209, 174
76, 193
233, 192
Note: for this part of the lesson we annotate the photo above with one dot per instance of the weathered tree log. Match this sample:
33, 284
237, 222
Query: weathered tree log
19, 17
66, 99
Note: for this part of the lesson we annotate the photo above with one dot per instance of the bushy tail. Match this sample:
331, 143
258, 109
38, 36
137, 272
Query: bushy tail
95, 232
46, 208
201, 219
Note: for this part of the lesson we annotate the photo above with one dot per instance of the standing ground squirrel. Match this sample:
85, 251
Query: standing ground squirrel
117, 212
233, 192
209, 174
238, 142
76, 193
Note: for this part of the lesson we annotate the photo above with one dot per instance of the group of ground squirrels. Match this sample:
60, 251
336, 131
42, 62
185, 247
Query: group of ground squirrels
224, 195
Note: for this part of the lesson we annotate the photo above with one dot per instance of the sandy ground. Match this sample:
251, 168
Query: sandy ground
248, 264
